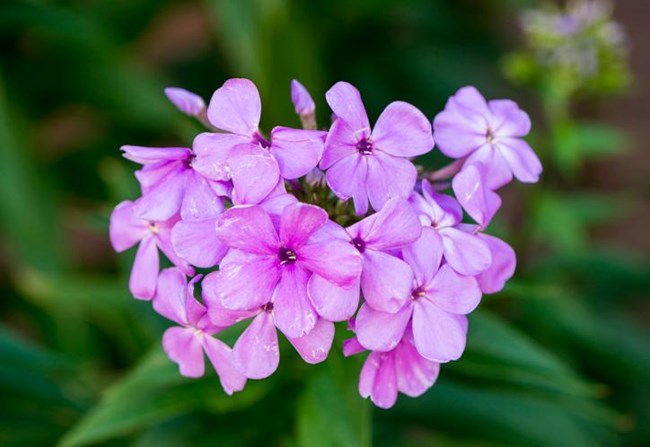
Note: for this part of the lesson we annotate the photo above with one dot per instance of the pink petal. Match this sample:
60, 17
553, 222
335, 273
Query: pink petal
248, 228
163, 240
388, 177
424, 256
473, 193
369, 373
385, 281
521, 158
144, 273
341, 141
465, 253
301, 99
243, 281
452, 292
332, 302
335, 260
347, 178
444, 210
502, 268
299, 222
381, 331
255, 173
497, 172
236, 107
126, 229
345, 101
296, 151
403, 131
187, 102
184, 348
294, 315
439, 336
415, 374
394, 226
200, 200
221, 358
150, 155
508, 120
212, 151
384, 390
315, 346
151, 175
196, 241
169, 300
351, 346
222, 317
256, 352
164, 200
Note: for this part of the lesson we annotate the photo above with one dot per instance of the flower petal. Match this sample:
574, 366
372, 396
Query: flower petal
381, 331
164, 200
200, 200
294, 315
184, 348
388, 177
497, 171
439, 336
169, 300
144, 273
332, 302
301, 99
220, 356
502, 267
236, 107
452, 292
335, 260
187, 102
341, 141
256, 352
508, 120
347, 178
254, 174
424, 256
297, 151
299, 222
384, 390
415, 374
464, 252
150, 155
212, 151
385, 281
126, 229
345, 101
248, 228
521, 158
402, 130
243, 281
315, 346
473, 193
196, 241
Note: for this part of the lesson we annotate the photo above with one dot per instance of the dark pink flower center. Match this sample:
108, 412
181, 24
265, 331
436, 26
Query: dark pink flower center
188, 161
259, 139
359, 244
287, 256
268, 307
364, 146
418, 293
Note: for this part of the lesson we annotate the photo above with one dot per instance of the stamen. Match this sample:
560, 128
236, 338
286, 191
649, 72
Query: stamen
359, 244
418, 293
268, 307
153, 228
287, 256
364, 146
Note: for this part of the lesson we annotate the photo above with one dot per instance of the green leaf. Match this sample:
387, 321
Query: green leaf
575, 143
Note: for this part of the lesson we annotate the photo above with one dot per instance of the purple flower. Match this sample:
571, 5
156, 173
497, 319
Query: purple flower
169, 184
440, 299
385, 279
243, 154
400, 369
185, 344
464, 252
488, 132
472, 192
268, 266
126, 230
372, 164
187, 102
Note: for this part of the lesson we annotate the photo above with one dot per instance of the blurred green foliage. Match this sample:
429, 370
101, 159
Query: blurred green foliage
560, 358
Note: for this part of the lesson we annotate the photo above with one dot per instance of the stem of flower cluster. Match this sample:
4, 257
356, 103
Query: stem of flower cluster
446, 172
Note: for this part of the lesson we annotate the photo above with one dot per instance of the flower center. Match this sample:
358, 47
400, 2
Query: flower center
268, 307
489, 136
417, 293
287, 256
359, 244
189, 160
364, 146
263, 142
153, 228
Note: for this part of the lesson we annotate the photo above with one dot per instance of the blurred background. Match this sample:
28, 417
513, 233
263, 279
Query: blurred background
561, 357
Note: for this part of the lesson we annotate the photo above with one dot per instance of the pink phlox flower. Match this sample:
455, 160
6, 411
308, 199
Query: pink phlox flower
402, 369
464, 252
301, 99
490, 132
170, 184
439, 300
242, 154
268, 268
187, 102
372, 164
128, 229
186, 343
385, 279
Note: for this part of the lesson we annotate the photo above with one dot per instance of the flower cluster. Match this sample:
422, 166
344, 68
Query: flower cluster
270, 222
